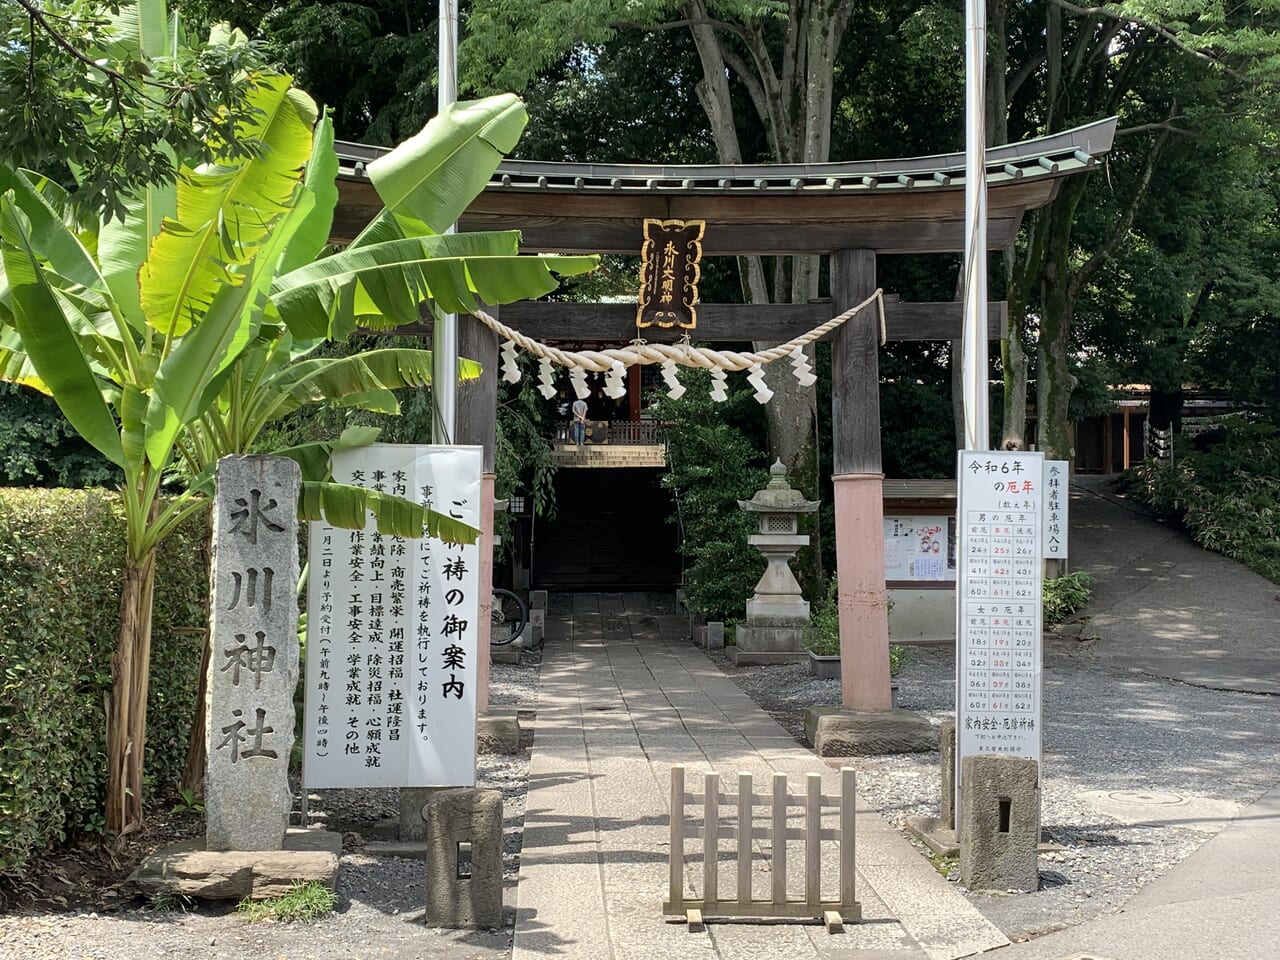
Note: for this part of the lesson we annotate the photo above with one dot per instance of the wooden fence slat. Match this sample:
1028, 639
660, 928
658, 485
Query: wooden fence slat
711, 840
848, 809
685, 827
675, 857
779, 842
744, 837
812, 842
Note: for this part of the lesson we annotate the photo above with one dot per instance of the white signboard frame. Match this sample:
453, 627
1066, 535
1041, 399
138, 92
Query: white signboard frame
392, 629
1057, 484
998, 612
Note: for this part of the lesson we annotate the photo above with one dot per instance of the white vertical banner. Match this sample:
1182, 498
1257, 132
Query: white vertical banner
998, 632
1057, 481
392, 628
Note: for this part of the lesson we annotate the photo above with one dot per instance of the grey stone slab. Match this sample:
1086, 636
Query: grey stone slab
188, 869
999, 823
254, 668
464, 858
845, 733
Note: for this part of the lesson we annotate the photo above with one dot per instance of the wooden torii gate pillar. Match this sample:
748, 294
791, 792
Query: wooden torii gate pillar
857, 478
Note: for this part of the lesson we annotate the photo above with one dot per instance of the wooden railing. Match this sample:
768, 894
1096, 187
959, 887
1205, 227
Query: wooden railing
710, 904
633, 432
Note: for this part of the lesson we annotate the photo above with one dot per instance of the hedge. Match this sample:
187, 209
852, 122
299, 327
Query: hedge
61, 554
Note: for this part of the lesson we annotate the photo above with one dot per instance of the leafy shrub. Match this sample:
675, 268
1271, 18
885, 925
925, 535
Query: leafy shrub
62, 553
823, 635
1224, 487
713, 462
1063, 596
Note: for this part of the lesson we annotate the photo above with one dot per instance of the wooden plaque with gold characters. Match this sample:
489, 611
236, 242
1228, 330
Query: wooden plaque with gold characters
669, 273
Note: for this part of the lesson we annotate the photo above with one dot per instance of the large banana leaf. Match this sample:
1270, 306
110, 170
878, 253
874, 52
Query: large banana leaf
349, 506
435, 174
311, 235
225, 213
341, 379
184, 376
140, 28
50, 236
15, 365
123, 245
49, 341
383, 285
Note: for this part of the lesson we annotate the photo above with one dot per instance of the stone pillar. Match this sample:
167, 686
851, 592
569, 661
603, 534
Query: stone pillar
999, 823
864, 611
464, 858
253, 630
947, 756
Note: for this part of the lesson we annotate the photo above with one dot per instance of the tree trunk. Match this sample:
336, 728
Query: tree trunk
1013, 362
197, 740
1054, 379
127, 701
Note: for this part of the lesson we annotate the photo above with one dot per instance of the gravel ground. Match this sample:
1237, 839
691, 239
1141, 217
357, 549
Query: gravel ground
1104, 733
380, 906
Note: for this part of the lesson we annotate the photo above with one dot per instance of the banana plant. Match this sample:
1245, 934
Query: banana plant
151, 331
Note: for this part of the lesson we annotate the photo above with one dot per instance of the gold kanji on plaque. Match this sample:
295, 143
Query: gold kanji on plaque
669, 273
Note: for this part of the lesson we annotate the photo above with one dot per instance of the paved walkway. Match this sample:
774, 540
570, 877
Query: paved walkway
1164, 607
623, 697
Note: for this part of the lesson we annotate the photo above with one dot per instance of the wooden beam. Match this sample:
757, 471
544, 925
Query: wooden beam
855, 369
724, 322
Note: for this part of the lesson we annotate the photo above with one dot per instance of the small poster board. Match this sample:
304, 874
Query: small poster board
392, 629
919, 548
998, 632
1057, 482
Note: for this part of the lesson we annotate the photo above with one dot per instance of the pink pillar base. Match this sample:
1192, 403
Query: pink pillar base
486, 591
864, 617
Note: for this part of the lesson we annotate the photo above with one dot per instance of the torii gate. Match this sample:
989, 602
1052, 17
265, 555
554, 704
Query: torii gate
849, 211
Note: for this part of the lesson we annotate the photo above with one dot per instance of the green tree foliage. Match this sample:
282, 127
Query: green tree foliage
1224, 487
112, 95
38, 448
146, 330
1169, 71
714, 460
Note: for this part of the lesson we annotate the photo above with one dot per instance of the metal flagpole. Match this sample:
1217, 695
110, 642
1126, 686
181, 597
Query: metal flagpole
444, 339
976, 424
974, 355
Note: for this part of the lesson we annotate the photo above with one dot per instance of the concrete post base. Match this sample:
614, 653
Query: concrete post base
846, 733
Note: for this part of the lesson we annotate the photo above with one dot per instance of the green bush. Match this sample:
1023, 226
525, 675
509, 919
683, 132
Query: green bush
62, 553
1224, 487
715, 457
823, 634
1063, 596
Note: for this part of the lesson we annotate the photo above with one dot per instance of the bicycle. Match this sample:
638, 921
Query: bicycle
509, 618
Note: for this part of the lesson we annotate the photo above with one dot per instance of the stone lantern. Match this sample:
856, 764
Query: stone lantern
777, 614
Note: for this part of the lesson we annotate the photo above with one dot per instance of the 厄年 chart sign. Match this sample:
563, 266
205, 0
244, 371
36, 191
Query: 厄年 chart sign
998, 666
392, 624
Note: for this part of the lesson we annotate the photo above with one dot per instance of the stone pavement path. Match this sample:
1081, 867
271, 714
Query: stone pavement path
1163, 606
623, 696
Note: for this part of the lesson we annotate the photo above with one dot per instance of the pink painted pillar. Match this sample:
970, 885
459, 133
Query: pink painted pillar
486, 590
858, 481
864, 616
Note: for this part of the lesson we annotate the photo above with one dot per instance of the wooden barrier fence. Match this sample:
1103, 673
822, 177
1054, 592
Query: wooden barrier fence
812, 802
